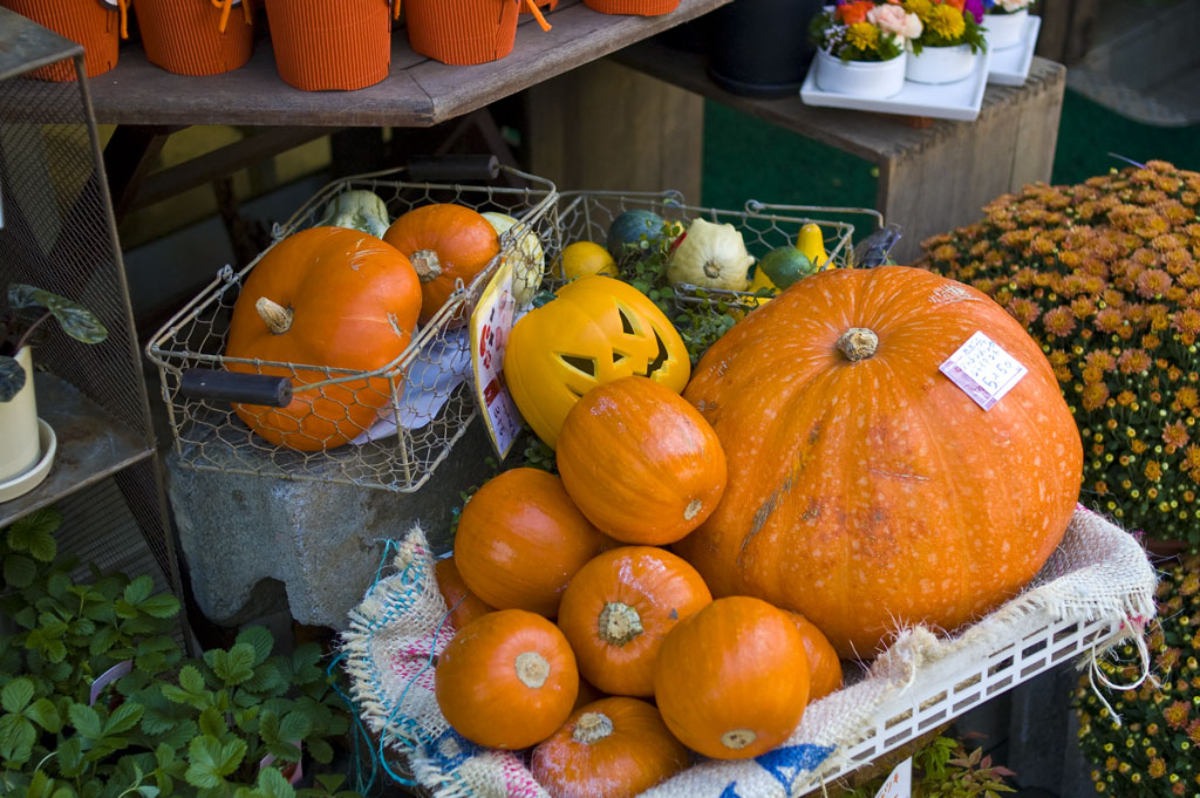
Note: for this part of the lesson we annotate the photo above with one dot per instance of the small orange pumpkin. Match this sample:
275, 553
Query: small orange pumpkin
520, 540
615, 748
732, 681
446, 243
507, 680
824, 667
640, 462
618, 609
464, 606
326, 296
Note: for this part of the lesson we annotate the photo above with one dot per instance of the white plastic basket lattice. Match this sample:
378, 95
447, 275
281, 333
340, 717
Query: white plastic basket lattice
430, 380
1097, 589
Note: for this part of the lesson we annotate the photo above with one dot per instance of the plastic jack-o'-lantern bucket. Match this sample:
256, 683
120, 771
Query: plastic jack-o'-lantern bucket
98, 25
467, 31
197, 37
331, 44
644, 8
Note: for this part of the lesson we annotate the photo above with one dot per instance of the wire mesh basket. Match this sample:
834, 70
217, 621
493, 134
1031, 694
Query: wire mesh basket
386, 428
587, 215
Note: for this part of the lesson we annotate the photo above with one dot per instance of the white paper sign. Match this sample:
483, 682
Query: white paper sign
983, 370
899, 782
491, 324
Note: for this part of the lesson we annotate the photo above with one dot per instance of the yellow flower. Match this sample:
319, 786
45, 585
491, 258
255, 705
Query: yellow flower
922, 8
946, 21
863, 35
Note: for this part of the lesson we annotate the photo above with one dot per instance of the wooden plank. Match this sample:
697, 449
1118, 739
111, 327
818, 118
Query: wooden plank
1037, 131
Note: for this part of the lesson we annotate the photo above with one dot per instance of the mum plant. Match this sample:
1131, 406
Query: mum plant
862, 30
1104, 275
947, 23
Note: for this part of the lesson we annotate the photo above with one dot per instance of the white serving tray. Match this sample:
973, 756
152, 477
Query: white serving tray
960, 101
1010, 67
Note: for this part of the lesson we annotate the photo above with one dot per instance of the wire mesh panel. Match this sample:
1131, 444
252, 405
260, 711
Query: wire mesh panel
387, 428
58, 234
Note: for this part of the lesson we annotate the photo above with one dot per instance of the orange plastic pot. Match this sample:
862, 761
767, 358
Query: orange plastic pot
323, 45
466, 31
643, 8
196, 37
98, 25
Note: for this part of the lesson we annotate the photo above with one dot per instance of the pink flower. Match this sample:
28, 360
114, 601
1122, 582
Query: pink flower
890, 19
912, 27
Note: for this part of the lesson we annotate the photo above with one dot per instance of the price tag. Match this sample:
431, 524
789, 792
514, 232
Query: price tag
491, 323
983, 370
899, 782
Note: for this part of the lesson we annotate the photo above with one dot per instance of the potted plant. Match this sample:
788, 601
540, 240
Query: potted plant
951, 40
860, 47
1005, 22
22, 315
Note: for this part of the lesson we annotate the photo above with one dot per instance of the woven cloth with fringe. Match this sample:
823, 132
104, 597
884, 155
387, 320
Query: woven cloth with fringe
1098, 573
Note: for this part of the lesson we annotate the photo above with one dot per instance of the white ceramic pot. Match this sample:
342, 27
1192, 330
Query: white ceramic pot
1005, 30
941, 64
19, 426
875, 79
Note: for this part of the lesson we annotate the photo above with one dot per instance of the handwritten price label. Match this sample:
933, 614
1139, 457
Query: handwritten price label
491, 323
983, 370
899, 782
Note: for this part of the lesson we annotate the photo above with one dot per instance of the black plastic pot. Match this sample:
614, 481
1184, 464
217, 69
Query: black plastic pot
761, 48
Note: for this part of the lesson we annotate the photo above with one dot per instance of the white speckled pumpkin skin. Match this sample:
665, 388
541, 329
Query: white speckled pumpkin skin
871, 494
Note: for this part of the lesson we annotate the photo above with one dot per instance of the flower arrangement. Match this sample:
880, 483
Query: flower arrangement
947, 23
1104, 275
862, 30
1152, 752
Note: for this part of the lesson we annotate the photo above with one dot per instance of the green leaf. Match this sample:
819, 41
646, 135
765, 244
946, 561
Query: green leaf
268, 727
258, 638
104, 639
164, 605
86, 721
76, 320
272, 784
213, 723
19, 571
16, 695
305, 663
123, 718
236, 665
70, 757
266, 679
12, 378
191, 680
210, 760
139, 590
43, 713
17, 736
42, 546
320, 751
294, 727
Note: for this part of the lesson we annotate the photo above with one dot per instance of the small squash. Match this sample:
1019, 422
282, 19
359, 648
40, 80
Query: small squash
640, 462
711, 256
531, 266
625, 234
824, 667
445, 243
618, 609
520, 540
614, 748
358, 209
811, 242
506, 680
785, 265
585, 258
326, 296
463, 605
732, 680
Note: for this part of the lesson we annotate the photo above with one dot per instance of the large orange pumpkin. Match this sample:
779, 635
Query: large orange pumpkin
446, 243
618, 609
732, 680
506, 680
824, 667
865, 488
520, 540
327, 296
613, 748
464, 606
640, 462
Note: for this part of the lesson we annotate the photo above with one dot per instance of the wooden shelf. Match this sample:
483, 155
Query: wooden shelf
91, 446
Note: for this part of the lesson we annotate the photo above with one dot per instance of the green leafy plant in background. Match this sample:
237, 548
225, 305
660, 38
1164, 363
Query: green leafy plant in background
946, 769
168, 727
27, 308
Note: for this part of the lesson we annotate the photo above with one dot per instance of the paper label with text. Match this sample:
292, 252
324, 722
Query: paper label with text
899, 782
983, 370
491, 323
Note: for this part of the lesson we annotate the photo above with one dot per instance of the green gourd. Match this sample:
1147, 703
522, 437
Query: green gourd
786, 265
626, 231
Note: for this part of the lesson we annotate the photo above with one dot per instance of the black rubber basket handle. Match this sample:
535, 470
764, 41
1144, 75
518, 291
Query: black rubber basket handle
230, 386
454, 168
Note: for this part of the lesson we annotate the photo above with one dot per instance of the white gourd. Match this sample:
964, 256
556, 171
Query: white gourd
529, 270
711, 256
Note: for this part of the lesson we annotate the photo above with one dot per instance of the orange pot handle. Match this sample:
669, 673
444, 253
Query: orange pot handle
226, 7
537, 14
123, 7
395, 9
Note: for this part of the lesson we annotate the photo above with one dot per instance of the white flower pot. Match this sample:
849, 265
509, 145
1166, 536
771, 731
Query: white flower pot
1005, 30
940, 64
876, 79
19, 426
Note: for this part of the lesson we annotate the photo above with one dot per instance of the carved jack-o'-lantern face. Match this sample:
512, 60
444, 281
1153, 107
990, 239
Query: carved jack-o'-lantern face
595, 331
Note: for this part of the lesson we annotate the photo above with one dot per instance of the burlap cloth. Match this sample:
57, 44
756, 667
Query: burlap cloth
1099, 573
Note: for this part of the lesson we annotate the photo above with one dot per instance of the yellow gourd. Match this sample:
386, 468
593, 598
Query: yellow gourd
812, 243
529, 267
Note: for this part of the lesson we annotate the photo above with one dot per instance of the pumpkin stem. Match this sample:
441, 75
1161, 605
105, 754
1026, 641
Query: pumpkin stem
738, 738
619, 623
277, 318
592, 727
712, 270
858, 343
428, 267
694, 507
532, 669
